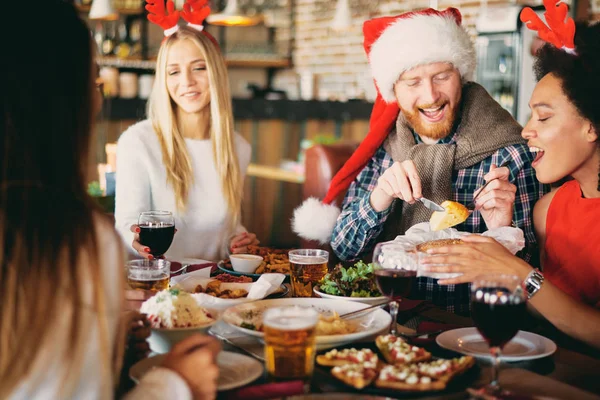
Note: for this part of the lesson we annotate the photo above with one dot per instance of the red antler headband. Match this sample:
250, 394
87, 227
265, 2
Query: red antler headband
194, 12
560, 30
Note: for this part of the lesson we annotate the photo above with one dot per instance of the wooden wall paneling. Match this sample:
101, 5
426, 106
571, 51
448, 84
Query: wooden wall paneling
269, 142
244, 128
355, 130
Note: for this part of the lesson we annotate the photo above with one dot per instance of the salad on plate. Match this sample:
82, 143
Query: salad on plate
356, 281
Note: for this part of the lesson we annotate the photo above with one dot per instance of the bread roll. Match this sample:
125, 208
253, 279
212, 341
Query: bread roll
423, 247
454, 214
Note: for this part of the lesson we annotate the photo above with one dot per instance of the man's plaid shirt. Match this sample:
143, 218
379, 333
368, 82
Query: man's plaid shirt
359, 225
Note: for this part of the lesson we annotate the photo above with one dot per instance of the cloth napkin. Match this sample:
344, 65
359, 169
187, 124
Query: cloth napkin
266, 391
265, 285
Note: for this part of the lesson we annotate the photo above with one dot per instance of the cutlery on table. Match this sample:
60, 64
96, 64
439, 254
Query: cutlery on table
367, 310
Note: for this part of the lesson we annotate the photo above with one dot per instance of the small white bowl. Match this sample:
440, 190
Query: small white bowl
245, 263
162, 339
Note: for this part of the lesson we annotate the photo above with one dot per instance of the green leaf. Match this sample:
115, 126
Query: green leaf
248, 325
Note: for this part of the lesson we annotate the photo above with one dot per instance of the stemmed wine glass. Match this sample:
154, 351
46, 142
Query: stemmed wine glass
498, 307
395, 268
157, 229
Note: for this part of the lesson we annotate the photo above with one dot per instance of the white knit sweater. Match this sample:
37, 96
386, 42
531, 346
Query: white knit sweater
141, 185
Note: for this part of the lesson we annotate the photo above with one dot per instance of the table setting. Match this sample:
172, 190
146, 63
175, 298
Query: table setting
270, 344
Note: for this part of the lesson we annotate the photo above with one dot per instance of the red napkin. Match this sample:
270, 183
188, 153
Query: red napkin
176, 266
431, 326
408, 304
266, 391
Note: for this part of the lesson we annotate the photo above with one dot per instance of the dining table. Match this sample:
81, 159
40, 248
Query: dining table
571, 372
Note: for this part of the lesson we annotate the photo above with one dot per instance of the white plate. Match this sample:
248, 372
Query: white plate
367, 326
235, 369
524, 346
366, 300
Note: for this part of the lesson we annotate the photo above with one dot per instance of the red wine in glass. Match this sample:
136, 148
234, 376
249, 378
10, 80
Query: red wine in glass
158, 237
157, 229
499, 320
498, 308
394, 283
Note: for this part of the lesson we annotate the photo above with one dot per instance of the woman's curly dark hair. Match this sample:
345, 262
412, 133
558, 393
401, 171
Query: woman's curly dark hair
580, 73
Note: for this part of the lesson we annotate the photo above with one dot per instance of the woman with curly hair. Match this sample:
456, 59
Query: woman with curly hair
563, 131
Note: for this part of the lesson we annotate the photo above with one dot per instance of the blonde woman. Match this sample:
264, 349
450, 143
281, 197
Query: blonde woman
61, 261
186, 158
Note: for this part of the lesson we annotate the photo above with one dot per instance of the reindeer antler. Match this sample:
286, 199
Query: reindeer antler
195, 11
560, 30
157, 14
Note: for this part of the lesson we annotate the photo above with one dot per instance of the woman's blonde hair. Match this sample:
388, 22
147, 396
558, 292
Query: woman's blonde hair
51, 282
162, 113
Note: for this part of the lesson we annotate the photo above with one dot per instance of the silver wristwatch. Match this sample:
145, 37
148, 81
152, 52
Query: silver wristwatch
533, 282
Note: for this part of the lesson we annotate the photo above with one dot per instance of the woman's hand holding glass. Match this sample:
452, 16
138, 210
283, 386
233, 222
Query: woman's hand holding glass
479, 254
239, 243
157, 235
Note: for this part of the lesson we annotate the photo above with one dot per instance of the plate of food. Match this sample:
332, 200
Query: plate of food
274, 261
392, 367
224, 290
355, 283
332, 330
235, 370
175, 314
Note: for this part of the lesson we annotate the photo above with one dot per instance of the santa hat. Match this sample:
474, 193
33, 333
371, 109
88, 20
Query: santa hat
393, 45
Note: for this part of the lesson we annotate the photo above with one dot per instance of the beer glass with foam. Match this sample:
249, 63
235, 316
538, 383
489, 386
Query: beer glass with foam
148, 274
290, 342
308, 267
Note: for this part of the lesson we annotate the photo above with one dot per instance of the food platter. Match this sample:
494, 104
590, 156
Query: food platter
366, 300
274, 260
324, 379
247, 318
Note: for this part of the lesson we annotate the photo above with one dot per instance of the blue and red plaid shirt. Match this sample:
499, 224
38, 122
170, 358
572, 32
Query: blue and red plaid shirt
359, 225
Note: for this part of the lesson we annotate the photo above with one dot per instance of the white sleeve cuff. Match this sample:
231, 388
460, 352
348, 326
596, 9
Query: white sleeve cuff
161, 383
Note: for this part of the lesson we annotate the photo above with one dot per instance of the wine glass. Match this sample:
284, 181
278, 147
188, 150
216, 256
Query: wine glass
498, 307
395, 267
157, 229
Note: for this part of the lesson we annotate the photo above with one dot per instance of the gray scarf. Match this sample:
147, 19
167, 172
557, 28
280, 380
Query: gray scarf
484, 128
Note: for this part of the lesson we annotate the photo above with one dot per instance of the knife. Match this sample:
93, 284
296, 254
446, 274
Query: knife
431, 205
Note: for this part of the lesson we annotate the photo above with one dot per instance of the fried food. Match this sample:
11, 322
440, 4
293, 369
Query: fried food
214, 289
333, 325
274, 260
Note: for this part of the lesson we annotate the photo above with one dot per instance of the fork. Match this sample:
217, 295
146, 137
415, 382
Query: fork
471, 205
360, 312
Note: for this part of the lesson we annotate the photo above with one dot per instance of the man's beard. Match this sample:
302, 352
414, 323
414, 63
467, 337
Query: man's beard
435, 130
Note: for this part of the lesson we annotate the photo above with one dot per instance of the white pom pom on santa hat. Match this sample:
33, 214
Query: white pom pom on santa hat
315, 220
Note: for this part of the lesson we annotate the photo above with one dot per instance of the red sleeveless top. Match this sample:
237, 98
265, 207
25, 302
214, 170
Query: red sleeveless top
573, 244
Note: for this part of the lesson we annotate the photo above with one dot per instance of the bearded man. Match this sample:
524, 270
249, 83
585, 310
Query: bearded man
433, 134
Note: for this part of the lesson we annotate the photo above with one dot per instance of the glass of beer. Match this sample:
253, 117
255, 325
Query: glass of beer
290, 342
308, 267
151, 275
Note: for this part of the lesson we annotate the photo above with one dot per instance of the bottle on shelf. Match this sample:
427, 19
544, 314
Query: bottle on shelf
108, 44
